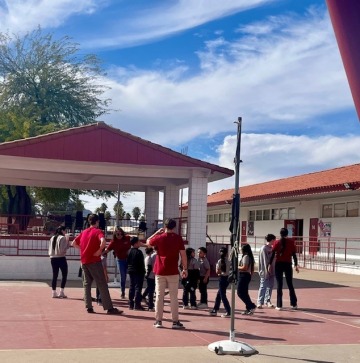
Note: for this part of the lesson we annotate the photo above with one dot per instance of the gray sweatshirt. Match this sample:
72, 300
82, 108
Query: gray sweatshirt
264, 260
61, 246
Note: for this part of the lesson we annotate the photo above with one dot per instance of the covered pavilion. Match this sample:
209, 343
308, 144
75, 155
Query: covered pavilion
100, 157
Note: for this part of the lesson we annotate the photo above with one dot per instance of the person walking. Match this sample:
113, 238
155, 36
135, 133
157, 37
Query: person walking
136, 270
267, 277
91, 243
150, 278
204, 277
284, 249
246, 270
169, 245
120, 244
190, 283
222, 270
58, 245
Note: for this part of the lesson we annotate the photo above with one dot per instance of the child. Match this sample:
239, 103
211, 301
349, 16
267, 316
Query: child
190, 283
204, 277
150, 277
266, 277
246, 269
222, 270
136, 271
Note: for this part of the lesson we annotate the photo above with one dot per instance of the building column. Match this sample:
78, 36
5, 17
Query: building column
197, 211
171, 201
151, 209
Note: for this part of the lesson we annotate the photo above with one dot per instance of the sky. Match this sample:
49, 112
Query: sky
181, 72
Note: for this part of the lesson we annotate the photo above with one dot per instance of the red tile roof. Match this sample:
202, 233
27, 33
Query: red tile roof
314, 183
99, 142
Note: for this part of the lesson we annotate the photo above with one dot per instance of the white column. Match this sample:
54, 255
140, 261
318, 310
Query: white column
171, 201
151, 209
197, 210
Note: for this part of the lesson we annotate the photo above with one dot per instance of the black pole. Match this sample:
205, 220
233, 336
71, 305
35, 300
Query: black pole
234, 228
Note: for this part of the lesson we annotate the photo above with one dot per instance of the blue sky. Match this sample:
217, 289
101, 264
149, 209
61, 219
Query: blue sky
181, 72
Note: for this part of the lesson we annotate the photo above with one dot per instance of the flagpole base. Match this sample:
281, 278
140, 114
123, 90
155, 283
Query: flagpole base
228, 347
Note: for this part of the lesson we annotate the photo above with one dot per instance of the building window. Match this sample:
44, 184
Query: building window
252, 215
352, 209
226, 217
275, 214
284, 213
211, 218
327, 210
216, 218
266, 214
339, 210
221, 217
291, 213
259, 215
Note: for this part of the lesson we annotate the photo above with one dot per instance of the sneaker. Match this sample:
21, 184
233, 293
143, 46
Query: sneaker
259, 306
151, 309
61, 295
158, 324
226, 315
100, 303
114, 311
123, 295
90, 310
213, 312
54, 296
247, 312
202, 306
193, 307
270, 305
177, 325
186, 307
278, 308
294, 307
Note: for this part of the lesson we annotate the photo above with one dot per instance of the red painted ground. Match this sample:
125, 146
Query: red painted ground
329, 313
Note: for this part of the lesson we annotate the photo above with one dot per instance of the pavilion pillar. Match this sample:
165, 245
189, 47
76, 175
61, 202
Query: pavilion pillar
151, 209
197, 210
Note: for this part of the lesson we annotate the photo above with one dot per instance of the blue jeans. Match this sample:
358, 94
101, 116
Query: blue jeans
265, 289
221, 295
122, 264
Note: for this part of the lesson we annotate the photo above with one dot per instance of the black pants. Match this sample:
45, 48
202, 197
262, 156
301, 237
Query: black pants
282, 268
149, 291
243, 290
59, 263
189, 290
203, 290
136, 284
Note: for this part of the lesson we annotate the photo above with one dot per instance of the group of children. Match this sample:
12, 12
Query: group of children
138, 267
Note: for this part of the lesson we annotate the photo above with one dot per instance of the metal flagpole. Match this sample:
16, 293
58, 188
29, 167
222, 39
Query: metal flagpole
232, 346
115, 282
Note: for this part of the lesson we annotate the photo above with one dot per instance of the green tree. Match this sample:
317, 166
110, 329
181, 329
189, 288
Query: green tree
46, 85
136, 212
101, 209
119, 210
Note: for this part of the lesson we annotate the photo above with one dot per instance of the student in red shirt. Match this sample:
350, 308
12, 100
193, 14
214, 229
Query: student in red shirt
91, 243
121, 245
169, 245
284, 249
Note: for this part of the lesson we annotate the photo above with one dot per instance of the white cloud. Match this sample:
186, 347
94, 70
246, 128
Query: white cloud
291, 76
25, 15
274, 156
156, 22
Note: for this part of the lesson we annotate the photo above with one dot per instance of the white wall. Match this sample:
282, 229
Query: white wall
32, 268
